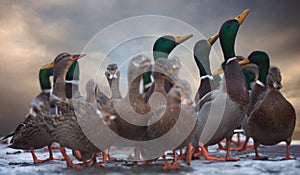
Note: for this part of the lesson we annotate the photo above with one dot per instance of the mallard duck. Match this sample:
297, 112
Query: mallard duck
77, 123
222, 110
29, 135
177, 122
201, 56
112, 75
132, 112
249, 71
162, 71
162, 47
261, 59
273, 118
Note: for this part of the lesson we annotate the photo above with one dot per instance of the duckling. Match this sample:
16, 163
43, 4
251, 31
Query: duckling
273, 118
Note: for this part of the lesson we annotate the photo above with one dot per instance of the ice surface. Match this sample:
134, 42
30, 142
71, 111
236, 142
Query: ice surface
20, 162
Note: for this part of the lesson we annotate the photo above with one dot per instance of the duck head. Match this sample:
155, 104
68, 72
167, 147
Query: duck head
274, 78
261, 59
180, 93
112, 71
201, 54
227, 34
62, 63
138, 65
165, 44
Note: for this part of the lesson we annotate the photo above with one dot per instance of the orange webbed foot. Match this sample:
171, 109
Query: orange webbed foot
172, 166
289, 158
40, 161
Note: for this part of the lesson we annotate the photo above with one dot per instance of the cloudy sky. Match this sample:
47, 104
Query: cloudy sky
32, 33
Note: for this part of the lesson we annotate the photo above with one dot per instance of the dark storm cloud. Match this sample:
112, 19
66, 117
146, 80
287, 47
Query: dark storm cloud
33, 32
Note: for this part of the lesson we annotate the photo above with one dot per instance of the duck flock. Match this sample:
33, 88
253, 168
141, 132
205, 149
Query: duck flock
164, 117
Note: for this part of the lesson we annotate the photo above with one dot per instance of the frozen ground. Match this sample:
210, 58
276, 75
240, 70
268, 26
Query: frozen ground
20, 162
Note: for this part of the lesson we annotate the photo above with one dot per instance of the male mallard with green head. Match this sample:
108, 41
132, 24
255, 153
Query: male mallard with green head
162, 47
222, 110
262, 61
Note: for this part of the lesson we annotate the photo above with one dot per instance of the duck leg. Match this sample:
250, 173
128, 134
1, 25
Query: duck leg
189, 154
181, 155
238, 142
104, 157
109, 158
206, 154
137, 153
51, 154
35, 159
257, 157
288, 149
196, 152
220, 146
244, 146
68, 159
168, 165
227, 157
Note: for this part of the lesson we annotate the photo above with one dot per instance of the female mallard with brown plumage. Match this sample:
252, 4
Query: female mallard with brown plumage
171, 129
113, 77
273, 118
77, 123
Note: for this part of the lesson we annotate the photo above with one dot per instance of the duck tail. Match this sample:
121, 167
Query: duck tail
9, 135
20, 126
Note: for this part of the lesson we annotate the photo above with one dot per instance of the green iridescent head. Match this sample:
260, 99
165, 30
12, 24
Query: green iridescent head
165, 44
227, 34
261, 59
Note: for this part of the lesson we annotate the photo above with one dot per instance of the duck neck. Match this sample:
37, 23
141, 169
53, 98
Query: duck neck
159, 84
262, 74
44, 79
147, 78
134, 84
115, 88
59, 84
201, 68
235, 83
90, 97
72, 81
